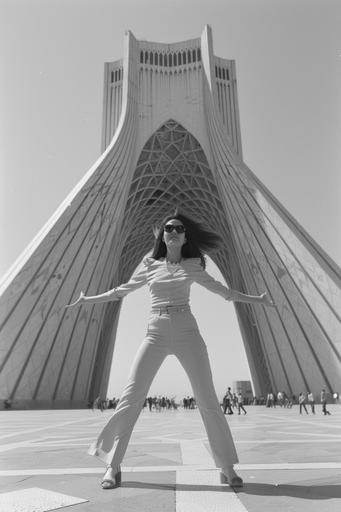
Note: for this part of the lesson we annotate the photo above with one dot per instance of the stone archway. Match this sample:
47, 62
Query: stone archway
51, 356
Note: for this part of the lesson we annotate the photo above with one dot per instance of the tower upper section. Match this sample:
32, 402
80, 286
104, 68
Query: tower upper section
171, 78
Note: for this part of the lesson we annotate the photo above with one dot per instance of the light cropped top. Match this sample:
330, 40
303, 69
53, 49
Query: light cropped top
170, 284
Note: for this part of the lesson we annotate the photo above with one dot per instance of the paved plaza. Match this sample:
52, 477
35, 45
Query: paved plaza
289, 462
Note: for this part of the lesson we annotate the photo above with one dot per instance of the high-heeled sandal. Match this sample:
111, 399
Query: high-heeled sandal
233, 481
112, 482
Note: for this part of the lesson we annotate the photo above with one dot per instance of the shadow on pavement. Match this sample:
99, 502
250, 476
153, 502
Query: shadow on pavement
309, 492
172, 487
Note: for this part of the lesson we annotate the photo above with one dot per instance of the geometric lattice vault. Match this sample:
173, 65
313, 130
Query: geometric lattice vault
171, 137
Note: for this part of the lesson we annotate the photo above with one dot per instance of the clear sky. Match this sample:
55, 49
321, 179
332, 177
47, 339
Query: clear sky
288, 58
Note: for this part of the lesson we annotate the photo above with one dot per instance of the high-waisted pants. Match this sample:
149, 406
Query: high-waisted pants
170, 332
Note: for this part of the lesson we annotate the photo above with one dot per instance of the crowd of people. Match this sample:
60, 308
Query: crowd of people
308, 398
160, 403
103, 404
231, 403
281, 399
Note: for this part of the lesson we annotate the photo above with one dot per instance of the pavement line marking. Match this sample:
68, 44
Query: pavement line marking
201, 491
285, 441
151, 469
43, 441
302, 422
35, 499
194, 452
307, 434
56, 445
290, 465
48, 427
39, 442
32, 443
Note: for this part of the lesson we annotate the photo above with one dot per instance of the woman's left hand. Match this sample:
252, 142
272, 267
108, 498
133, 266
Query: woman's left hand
264, 299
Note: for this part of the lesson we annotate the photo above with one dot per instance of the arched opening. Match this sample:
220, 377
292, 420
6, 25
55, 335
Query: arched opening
172, 170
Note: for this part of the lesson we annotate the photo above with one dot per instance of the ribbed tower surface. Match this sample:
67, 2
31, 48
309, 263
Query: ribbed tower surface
171, 137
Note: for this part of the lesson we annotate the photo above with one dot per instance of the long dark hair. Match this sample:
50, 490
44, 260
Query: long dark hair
198, 239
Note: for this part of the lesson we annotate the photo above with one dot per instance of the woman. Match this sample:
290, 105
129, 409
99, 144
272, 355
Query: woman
176, 262
301, 401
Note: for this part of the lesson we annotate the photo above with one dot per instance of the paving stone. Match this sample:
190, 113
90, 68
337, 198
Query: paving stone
288, 462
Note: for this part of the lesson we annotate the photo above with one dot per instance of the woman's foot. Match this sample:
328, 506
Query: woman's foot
111, 478
229, 476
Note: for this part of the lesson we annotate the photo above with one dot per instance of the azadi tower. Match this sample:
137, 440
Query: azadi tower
171, 137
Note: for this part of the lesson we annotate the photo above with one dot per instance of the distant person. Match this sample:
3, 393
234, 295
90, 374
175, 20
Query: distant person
97, 403
301, 402
7, 403
176, 262
324, 402
227, 402
311, 401
270, 400
240, 403
150, 402
280, 398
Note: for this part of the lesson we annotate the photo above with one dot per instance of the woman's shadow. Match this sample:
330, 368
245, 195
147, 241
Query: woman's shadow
309, 492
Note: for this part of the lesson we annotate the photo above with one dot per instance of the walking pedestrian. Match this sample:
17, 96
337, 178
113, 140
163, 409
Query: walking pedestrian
311, 401
240, 403
176, 262
324, 402
301, 401
227, 402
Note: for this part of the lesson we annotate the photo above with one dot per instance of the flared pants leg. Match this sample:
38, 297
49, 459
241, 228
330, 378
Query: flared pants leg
196, 364
112, 442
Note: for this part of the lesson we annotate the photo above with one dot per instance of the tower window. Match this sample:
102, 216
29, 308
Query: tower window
189, 56
224, 74
170, 60
194, 55
175, 60
179, 58
227, 75
199, 54
151, 58
156, 59
184, 57
165, 60
141, 57
146, 57
161, 61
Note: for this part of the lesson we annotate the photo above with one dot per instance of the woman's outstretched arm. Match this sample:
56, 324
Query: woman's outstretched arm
138, 279
202, 277
236, 296
102, 297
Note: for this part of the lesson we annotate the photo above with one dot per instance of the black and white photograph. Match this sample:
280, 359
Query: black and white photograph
170, 304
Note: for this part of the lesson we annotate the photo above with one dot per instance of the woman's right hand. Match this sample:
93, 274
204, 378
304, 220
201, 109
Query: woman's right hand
264, 299
78, 302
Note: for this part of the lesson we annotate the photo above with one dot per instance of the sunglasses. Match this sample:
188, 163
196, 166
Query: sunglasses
179, 229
